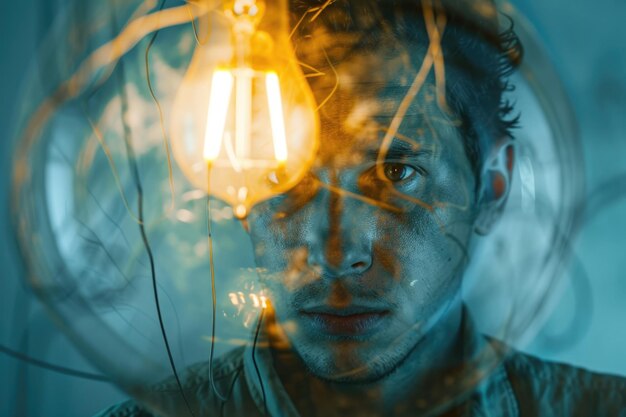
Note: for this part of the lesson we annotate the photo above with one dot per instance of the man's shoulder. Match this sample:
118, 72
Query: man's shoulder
524, 369
195, 384
542, 386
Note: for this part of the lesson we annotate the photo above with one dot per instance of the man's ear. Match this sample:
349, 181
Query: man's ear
495, 187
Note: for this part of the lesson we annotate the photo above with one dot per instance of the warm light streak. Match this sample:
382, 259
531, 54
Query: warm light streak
219, 102
243, 115
219, 105
277, 117
233, 299
239, 299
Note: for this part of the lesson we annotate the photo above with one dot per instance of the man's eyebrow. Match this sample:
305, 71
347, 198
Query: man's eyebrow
399, 149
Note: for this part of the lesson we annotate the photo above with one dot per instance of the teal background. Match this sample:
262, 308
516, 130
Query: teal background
586, 44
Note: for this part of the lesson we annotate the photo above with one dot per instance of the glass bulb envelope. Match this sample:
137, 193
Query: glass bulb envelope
112, 175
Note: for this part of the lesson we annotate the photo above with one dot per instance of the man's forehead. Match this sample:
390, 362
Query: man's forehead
356, 120
386, 59
362, 138
360, 90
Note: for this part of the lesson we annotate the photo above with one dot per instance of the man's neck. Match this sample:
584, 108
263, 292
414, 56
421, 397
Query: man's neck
397, 393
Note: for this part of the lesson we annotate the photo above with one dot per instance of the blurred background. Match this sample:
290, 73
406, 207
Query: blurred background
585, 44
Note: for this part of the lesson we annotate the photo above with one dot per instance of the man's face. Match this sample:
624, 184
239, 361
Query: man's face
362, 259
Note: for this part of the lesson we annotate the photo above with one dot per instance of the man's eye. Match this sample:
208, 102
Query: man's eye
396, 172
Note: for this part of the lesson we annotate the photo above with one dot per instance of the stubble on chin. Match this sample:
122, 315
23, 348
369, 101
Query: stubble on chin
357, 365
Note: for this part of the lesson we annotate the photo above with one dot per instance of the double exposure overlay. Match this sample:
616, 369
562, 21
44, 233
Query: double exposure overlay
346, 194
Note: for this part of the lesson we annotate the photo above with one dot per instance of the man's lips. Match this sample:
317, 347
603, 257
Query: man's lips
351, 321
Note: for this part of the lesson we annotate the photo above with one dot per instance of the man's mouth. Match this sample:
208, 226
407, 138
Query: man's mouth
352, 321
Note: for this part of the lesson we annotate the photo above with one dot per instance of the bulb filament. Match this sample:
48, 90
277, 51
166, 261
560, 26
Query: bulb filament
240, 80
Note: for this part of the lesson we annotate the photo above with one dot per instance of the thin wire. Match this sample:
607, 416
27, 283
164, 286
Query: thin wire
230, 391
160, 110
111, 161
135, 171
223, 398
156, 300
195, 28
146, 243
321, 9
52, 367
335, 88
256, 367
163, 132
213, 292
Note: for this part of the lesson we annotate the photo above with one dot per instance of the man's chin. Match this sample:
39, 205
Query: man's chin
349, 366
354, 377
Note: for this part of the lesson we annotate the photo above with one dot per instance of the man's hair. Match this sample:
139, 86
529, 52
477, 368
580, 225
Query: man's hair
478, 57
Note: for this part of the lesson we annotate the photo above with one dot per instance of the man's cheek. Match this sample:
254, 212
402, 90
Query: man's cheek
267, 251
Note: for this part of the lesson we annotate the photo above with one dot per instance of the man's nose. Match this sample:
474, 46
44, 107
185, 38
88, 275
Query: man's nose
340, 235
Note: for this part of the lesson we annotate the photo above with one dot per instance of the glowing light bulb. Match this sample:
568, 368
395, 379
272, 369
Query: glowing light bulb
244, 124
